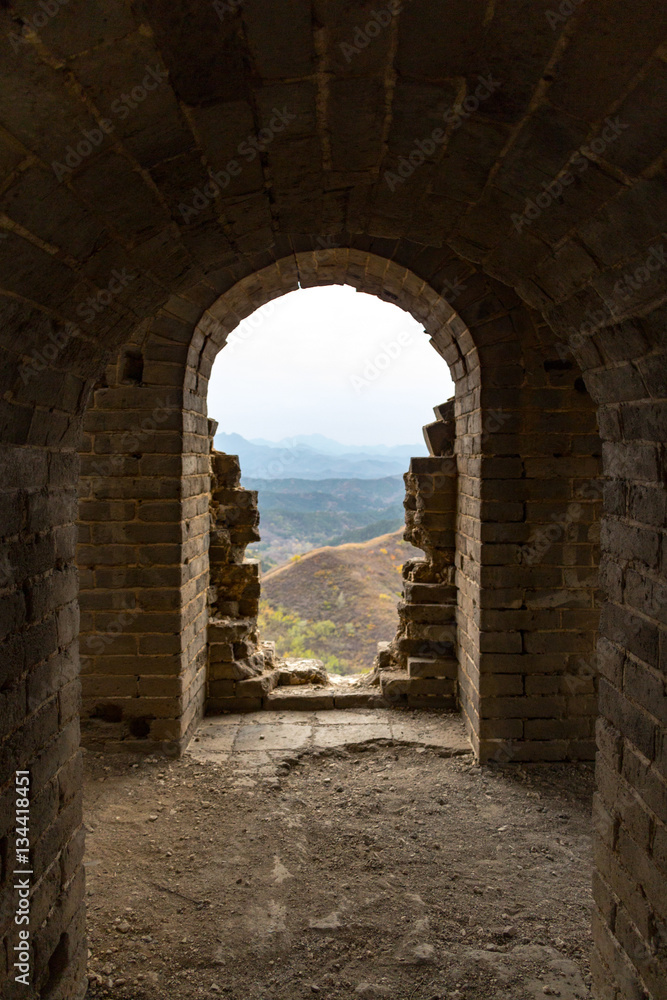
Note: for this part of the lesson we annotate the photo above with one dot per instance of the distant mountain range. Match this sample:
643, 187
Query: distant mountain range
300, 514
327, 446
313, 456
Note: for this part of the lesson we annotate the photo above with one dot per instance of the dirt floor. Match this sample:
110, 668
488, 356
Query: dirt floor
338, 854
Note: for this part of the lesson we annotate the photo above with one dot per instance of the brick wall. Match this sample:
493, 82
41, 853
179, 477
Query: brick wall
628, 377
39, 706
529, 460
541, 499
143, 537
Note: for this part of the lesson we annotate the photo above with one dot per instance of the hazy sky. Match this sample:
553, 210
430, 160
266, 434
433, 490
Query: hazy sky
331, 361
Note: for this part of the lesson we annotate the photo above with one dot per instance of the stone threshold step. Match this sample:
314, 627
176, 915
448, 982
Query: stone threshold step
316, 699
399, 688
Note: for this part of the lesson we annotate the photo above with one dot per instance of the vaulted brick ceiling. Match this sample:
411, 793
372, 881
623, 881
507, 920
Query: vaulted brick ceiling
356, 95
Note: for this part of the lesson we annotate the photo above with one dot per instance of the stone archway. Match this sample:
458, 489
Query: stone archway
119, 209
516, 691
176, 352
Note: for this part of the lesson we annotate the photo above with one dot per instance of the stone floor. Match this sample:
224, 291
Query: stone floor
256, 740
337, 853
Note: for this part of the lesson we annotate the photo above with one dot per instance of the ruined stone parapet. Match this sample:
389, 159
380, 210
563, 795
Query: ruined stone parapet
234, 517
419, 666
430, 516
441, 434
236, 657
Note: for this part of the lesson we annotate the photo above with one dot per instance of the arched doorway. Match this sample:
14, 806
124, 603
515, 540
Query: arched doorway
516, 488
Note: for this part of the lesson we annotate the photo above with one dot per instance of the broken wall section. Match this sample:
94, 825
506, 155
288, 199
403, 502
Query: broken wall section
236, 658
419, 667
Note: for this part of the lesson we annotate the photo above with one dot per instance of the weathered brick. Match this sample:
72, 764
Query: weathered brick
627, 628
496, 347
